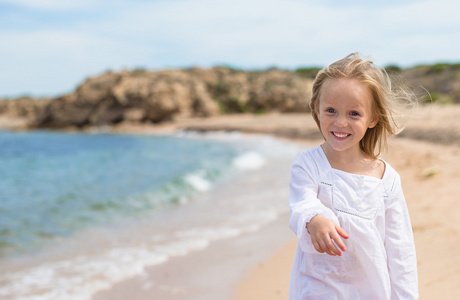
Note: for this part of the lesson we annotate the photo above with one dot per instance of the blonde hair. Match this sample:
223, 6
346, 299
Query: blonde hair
387, 102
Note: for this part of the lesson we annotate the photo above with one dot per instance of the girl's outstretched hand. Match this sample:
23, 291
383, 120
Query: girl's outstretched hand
323, 231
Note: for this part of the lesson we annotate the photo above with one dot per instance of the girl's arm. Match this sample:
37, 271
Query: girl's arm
305, 205
399, 244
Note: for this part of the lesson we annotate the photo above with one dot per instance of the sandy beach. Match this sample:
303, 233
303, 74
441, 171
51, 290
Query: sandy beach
430, 175
427, 156
429, 164
255, 263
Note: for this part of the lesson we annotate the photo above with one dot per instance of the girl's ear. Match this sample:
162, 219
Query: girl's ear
374, 122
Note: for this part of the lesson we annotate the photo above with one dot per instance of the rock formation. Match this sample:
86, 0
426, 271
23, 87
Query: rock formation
141, 96
147, 96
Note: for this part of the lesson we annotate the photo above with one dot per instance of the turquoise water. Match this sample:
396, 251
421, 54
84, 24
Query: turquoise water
53, 184
80, 213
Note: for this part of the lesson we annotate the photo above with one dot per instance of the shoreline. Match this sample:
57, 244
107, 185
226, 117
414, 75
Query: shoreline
433, 123
212, 232
213, 272
427, 156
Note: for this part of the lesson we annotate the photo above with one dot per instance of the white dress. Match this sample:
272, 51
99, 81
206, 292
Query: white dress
380, 260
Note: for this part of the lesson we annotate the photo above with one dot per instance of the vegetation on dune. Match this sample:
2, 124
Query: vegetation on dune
308, 72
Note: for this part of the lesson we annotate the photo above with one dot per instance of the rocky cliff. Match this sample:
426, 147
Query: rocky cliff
141, 96
147, 96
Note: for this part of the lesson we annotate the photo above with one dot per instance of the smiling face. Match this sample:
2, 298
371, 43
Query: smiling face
345, 113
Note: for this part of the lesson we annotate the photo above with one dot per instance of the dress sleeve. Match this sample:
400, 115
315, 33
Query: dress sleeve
399, 244
303, 199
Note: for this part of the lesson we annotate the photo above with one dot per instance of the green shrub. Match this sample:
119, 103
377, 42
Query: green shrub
221, 88
392, 69
437, 68
432, 97
308, 72
233, 105
440, 98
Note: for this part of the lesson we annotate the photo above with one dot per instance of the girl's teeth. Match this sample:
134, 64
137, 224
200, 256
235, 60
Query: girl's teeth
340, 135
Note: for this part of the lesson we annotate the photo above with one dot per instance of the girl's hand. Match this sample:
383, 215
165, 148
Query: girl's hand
323, 231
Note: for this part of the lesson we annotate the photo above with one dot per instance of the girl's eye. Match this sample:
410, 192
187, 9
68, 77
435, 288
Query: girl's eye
354, 113
330, 110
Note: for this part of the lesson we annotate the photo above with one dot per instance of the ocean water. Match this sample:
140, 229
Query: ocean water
82, 212
53, 184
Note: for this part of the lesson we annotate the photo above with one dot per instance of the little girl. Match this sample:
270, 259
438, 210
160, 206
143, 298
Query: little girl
347, 206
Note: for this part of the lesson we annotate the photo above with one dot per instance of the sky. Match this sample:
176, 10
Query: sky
49, 47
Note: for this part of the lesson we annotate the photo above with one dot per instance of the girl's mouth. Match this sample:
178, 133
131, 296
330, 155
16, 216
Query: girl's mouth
340, 135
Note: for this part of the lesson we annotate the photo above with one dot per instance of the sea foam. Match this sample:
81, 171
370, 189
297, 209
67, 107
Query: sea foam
81, 277
198, 182
249, 161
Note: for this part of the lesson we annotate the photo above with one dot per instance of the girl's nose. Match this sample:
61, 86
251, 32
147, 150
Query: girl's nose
341, 121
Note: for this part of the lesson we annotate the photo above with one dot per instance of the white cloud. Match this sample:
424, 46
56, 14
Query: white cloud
53, 62
53, 5
243, 33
